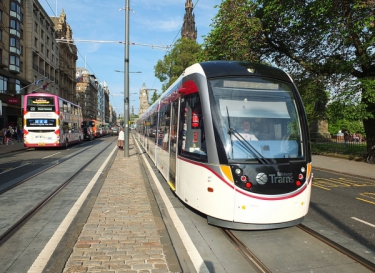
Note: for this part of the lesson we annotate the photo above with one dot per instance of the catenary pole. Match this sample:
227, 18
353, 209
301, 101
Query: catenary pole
126, 81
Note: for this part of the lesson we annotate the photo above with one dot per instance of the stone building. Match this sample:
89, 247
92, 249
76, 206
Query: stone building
143, 100
68, 57
28, 54
188, 28
87, 93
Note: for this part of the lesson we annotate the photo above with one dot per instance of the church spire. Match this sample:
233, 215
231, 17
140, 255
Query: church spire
188, 28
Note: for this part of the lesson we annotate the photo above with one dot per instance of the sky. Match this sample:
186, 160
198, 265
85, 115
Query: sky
153, 24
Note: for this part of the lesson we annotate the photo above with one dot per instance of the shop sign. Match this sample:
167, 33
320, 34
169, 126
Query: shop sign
13, 101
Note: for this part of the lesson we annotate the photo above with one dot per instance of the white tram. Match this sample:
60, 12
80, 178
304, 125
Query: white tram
197, 134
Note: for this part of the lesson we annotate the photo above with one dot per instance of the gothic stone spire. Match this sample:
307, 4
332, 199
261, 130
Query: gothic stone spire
188, 28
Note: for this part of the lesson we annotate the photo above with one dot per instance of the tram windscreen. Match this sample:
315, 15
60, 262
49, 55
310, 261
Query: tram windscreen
257, 118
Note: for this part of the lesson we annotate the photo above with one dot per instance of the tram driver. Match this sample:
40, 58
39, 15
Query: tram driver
245, 132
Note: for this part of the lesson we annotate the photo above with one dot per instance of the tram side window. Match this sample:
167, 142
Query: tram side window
192, 135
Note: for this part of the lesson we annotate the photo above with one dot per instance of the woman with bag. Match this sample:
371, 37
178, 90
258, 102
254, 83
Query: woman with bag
121, 138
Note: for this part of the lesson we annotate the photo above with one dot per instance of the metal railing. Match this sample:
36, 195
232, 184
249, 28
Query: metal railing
337, 145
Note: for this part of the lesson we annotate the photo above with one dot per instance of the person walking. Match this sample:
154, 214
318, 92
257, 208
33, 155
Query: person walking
346, 137
120, 140
9, 136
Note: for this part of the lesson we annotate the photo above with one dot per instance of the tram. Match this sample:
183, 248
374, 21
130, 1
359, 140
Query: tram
50, 121
241, 178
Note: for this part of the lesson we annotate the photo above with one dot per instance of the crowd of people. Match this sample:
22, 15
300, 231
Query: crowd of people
10, 134
348, 137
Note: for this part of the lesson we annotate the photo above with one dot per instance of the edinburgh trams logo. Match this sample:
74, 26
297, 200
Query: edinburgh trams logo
261, 178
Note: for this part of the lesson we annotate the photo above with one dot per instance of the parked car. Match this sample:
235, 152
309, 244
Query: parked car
115, 131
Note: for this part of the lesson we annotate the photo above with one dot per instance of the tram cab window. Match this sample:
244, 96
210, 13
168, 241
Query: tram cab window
192, 134
270, 108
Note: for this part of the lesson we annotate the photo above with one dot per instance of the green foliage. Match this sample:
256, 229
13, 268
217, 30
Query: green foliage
235, 34
183, 54
343, 124
154, 97
327, 46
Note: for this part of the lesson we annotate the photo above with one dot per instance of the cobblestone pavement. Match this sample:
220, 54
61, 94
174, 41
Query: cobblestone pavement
121, 234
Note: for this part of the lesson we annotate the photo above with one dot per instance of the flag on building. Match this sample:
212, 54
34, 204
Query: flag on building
45, 86
38, 81
80, 78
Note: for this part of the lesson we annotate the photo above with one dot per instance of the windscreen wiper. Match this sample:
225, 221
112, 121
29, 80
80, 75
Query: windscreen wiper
244, 143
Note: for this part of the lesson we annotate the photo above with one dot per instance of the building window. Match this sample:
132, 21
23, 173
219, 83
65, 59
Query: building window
3, 84
42, 35
36, 27
14, 60
36, 42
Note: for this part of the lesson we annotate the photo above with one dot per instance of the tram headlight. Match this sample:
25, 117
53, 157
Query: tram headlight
238, 171
303, 169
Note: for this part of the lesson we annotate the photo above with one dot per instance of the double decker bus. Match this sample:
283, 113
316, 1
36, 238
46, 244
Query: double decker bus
50, 121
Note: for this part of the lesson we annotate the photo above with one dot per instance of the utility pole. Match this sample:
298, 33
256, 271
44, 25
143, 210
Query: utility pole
126, 81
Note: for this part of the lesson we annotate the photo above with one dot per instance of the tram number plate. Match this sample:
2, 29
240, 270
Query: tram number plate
41, 143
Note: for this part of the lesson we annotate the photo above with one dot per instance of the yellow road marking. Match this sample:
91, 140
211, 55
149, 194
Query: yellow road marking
364, 200
318, 186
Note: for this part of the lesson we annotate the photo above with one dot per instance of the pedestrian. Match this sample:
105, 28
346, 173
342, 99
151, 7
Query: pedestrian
120, 140
346, 137
18, 134
9, 136
2, 136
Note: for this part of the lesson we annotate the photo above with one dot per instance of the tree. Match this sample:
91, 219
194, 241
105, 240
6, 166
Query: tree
329, 41
154, 97
233, 31
182, 55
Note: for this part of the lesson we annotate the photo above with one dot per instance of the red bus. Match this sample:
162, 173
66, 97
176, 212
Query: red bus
50, 121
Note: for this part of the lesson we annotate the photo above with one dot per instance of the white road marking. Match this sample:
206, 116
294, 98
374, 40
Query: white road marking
367, 223
192, 251
14, 168
44, 256
51, 155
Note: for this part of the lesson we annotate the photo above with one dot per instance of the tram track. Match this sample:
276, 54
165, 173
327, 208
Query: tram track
246, 252
42, 171
338, 247
27, 216
253, 259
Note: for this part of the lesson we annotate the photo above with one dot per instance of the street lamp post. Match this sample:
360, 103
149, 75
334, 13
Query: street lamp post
126, 80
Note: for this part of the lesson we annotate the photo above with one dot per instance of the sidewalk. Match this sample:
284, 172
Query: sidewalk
343, 166
17, 146
123, 232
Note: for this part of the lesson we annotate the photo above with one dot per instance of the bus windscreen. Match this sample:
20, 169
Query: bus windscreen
40, 104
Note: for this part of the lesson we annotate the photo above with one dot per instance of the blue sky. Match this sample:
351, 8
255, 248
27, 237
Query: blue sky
152, 22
